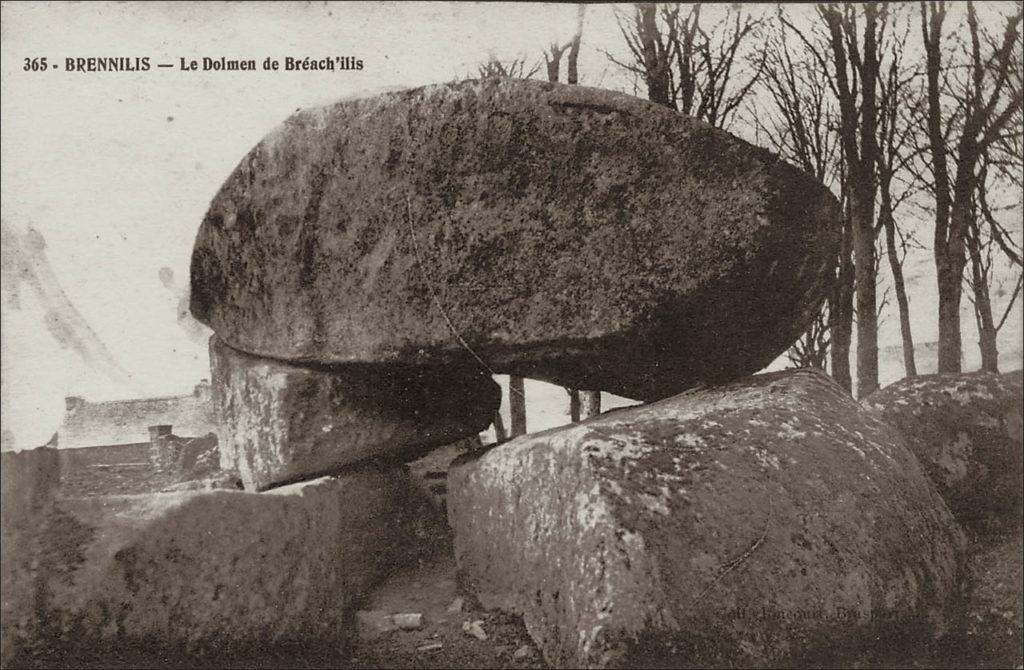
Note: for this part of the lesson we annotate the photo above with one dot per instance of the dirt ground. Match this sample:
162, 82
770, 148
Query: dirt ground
441, 642
992, 638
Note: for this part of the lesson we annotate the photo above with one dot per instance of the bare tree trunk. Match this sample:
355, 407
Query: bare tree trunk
554, 62
949, 321
574, 405
987, 342
857, 64
987, 330
989, 349
591, 403
842, 337
841, 310
499, 427
888, 222
949, 266
517, 405
655, 61
867, 314
573, 75
979, 125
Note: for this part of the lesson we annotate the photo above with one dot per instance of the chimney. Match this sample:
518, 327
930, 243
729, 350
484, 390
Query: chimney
156, 432
160, 446
202, 390
73, 402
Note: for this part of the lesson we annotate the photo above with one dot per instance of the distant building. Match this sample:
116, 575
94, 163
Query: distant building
130, 446
123, 422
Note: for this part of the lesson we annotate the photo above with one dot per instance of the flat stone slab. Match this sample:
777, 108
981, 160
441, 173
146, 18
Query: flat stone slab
281, 423
966, 431
771, 522
565, 233
165, 577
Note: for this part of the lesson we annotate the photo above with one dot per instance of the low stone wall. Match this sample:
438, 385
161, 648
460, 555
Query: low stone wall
104, 455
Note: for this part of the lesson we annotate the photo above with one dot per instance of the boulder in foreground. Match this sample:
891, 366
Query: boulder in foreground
163, 578
966, 431
281, 423
579, 236
768, 522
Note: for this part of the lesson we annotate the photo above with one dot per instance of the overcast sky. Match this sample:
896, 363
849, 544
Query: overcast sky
115, 170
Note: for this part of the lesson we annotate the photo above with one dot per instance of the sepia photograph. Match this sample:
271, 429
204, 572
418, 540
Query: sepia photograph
511, 334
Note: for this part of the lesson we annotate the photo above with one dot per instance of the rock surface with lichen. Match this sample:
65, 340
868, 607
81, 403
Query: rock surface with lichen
966, 431
281, 423
564, 233
771, 521
194, 577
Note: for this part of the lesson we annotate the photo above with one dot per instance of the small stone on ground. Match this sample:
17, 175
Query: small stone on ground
408, 620
475, 628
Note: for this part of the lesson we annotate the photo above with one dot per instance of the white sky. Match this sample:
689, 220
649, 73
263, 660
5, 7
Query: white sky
116, 169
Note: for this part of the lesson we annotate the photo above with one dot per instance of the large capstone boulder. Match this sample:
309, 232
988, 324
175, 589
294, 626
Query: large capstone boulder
282, 423
768, 522
564, 233
966, 431
157, 579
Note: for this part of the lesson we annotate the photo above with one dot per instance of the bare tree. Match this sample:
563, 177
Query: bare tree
847, 47
573, 74
689, 68
986, 239
980, 253
855, 55
514, 69
652, 51
517, 405
840, 299
971, 100
811, 350
500, 434
895, 152
800, 123
574, 404
553, 60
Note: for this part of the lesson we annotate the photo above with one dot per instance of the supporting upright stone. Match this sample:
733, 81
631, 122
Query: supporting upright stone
28, 483
203, 579
768, 522
965, 430
281, 423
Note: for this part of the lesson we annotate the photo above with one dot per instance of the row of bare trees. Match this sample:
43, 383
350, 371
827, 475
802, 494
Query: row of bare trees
900, 110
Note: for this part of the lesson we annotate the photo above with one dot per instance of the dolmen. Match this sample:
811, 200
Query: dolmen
412, 244
370, 265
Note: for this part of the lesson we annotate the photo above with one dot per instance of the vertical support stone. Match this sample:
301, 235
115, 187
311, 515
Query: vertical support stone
282, 423
28, 482
208, 579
